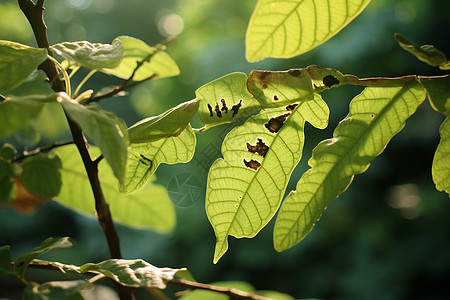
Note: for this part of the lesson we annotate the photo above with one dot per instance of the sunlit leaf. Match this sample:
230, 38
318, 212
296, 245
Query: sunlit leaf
133, 273
441, 162
5, 260
375, 116
41, 175
56, 290
246, 187
225, 99
148, 208
106, 130
91, 55
157, 63
170, 123
22, 262
144, 159
284, 29
17, 62
426, 53
16, 112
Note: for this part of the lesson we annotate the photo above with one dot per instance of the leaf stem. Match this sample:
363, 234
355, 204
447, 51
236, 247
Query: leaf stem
92, 72
66, 76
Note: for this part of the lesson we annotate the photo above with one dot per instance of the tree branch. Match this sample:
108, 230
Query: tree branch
34, 14
233, 293
41, 149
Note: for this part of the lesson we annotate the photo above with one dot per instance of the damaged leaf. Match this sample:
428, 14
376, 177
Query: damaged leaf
245, 188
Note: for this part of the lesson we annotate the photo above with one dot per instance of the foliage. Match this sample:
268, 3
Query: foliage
245, 188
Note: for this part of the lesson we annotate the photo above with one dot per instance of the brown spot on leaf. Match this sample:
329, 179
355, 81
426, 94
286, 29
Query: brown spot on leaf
260, 148
275, 97
275, 124
146, 161
236, 107
264, 86
330, 80
291, 106
224, 106
210, 110
252, 164
294, 73
217, 109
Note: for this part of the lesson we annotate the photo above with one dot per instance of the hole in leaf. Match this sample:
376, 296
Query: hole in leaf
275, 124
291, 106
252, 164
224, 106
217, 109
329, 81
260, 148
210, 110
236, 107
275, 97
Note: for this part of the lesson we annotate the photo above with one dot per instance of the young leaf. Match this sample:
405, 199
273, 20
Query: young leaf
22, 262
5, 260
157, 63
284, 29
41, 175
148, 208
426, 53
144, 159
91, 55
225, 99
170, 123
17, 62
375, 116
246, 187
106, 130
55, 290
16, 112
133, 273
440, 169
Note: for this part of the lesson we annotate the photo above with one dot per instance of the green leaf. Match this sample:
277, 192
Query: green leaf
7, 172
157, 63
17, 62
16, 112
22, 262
56, 290
5, 260
438, 89
133, 273
170, 123
144, 159
225, 100
148, 208
246, 187
375, 116
426, 53
440, 169
41, 175
106, 130
284, 29
91, 55
7, 152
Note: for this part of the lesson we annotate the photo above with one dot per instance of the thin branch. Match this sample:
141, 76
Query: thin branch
42, 149
233, 293
34, 14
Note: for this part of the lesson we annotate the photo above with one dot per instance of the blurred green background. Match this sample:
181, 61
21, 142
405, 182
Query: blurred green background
386, 237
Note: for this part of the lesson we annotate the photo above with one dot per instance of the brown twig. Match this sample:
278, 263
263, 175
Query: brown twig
41, 149
34, 14
233, 293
